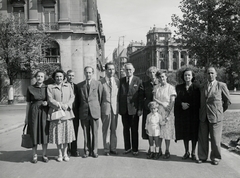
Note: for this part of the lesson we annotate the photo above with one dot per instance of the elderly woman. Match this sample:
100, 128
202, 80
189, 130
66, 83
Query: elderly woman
147, 93
60, 96
36, 115
186, 111
165, 94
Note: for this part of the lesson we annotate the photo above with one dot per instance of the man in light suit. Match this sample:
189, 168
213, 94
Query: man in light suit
109, 109
130, 108
214, 101
73, 146
89, 99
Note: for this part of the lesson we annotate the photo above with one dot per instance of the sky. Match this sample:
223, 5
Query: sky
133, 19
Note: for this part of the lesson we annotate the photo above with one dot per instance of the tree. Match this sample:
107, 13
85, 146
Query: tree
20, 47
210, 29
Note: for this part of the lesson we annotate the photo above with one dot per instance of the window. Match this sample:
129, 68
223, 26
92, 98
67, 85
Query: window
18, 12
52, 54
49, 18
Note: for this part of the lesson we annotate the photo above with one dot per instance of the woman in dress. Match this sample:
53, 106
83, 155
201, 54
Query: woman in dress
165, 94
186, 111
60, 96
36, 115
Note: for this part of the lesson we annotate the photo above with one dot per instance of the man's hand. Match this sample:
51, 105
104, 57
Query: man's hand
185, 106
140, 112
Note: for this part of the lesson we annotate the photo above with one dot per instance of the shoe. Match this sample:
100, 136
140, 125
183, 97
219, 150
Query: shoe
127, 151
95, 155
166, 155
34, 160
193, 157
149, 152
215, 162
45, 159
135, 153
186, 155
150, 156
113, 152
107, 154
85, 156
160, 153
59, 159
66, 158
156, 156
75, 154
199, 161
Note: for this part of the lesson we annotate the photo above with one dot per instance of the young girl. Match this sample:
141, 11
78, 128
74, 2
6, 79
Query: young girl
153, 122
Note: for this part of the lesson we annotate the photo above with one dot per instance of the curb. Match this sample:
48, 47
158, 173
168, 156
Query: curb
230, 149
11, 128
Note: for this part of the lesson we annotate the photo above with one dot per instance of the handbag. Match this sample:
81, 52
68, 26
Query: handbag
57, 115
26, 139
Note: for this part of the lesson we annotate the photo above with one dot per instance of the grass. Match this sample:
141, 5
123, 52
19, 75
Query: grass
231, 127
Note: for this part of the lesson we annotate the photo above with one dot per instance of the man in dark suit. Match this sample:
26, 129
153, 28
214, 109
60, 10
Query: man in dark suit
130, 108
73, 146
215, 99
109, 109
89, 99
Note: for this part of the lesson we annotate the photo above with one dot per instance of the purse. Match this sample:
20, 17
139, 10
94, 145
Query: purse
26, 139
57, 115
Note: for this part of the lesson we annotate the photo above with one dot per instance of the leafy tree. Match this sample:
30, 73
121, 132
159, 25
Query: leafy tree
210, 29
20, 47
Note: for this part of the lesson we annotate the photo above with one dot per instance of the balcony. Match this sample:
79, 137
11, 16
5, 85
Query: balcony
51, 59
48, 26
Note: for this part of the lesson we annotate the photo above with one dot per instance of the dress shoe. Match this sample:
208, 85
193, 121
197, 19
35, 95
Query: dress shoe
95, 155
75, 154
199, 161
127, 151
150, 156
186, 155
85, 156
35, 159
193, 156
135, 153
149, 152
156, 156
113, 152
215, 162
106, 153
166, 155
45, 159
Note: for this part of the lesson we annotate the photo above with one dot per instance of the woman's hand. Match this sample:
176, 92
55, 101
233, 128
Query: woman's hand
64, 106
44, 103
185, 106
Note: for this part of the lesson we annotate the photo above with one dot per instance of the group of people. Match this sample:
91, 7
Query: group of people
187, 112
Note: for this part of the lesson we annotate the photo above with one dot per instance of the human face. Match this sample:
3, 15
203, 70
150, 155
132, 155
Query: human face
129, 70
211, 74
59, 77
188, 76
110, 71
163, 78
40, 77
88, 73
154, 110
70, 77
152, 75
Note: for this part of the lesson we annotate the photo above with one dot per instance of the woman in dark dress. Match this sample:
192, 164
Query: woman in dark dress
36, 115
186, 111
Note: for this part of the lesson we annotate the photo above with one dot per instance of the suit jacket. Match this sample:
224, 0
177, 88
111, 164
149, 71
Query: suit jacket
109, 97
75, 103
89, 103
57, 95
129, 101
214, 102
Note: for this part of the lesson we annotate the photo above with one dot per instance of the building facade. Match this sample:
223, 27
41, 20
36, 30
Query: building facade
160, 51
74, 24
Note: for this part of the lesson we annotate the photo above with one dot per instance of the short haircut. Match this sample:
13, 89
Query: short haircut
40, 71
193, 74
212, 68
128, 64
152, 68
85, 68
58, 71
69, 71
153, 104
108, 64
159, 73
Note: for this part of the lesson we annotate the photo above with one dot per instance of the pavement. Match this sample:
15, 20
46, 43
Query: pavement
15, 161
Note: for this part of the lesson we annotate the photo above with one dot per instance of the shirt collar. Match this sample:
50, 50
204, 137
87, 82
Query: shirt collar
89, 81
43, 85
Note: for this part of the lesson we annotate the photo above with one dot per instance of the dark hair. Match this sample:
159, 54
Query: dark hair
35, 75
59, 71
159, 73
85, 68
193, 74
69, 71
108, 64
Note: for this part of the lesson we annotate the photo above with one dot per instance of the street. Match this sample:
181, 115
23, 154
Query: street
15, 160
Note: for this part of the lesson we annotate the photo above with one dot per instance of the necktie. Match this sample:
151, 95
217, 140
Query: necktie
72, 87
127, 84
110, 84
88, 86
209, 86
